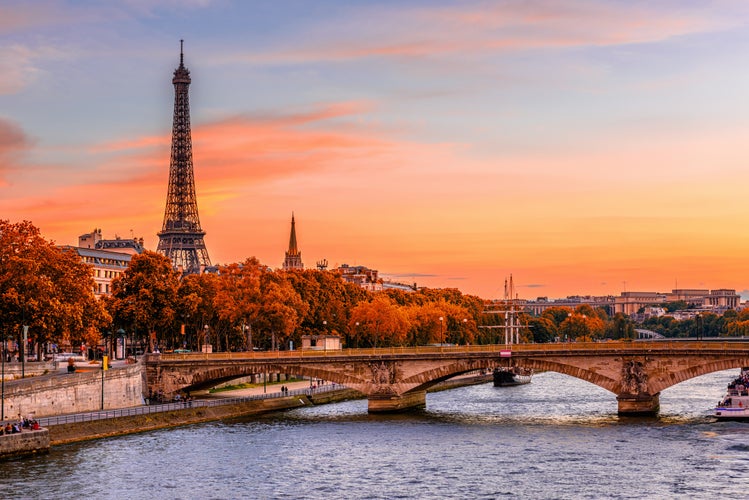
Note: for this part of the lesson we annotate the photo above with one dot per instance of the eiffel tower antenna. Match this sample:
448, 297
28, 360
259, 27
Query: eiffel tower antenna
181, 237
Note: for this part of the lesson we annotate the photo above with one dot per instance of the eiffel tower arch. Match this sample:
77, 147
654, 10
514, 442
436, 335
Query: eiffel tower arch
181, 237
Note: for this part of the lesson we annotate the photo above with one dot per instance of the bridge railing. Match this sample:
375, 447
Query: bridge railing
608, 346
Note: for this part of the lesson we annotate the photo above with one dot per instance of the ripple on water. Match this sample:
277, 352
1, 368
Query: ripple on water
555, 438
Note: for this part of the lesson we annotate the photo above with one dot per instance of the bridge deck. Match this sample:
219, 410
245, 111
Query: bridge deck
562, 348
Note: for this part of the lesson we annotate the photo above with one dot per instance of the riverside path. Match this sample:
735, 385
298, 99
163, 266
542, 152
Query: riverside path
397, 378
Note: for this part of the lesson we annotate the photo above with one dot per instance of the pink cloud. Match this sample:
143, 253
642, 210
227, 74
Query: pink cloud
130, 177
13, 143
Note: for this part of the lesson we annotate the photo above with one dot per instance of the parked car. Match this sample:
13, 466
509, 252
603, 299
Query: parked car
64, 356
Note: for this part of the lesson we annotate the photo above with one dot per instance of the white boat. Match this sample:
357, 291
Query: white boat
735, 404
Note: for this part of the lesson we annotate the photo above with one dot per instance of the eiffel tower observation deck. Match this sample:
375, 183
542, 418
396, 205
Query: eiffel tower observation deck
181, 237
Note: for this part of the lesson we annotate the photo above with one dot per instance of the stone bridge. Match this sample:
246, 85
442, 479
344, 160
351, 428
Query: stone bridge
394, 379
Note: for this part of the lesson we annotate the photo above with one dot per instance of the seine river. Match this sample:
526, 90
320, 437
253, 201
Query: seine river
555, 438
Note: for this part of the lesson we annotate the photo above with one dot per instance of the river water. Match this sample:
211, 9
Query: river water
557, 437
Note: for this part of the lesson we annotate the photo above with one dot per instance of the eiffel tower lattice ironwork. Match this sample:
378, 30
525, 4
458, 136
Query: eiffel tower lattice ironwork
181, 237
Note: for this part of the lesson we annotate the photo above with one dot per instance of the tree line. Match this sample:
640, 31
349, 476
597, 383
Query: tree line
247, 305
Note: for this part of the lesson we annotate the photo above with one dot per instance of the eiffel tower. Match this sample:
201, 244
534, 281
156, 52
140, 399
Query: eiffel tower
181, 238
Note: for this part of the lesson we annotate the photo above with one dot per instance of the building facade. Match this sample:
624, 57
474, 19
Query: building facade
107, 258
359, 275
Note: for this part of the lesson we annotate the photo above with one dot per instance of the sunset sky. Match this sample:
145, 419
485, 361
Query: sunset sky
586, 147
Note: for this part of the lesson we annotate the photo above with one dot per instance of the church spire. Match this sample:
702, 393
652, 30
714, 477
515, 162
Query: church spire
293, 250
293, 258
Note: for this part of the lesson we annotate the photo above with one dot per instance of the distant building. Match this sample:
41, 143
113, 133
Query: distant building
321, 342
392, 285
717, 301
94, 240
108, 258
363, 276
293, 258
631, 303
538, 306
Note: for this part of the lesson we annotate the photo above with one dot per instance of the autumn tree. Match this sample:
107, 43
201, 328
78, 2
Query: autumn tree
330, 300
280, 312
582, 327
144, 296
196, 308
425, 325
47, 288
380, 323
238, 301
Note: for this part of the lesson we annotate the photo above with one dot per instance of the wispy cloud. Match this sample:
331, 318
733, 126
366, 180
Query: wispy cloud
13, 142
18, 67
470, 30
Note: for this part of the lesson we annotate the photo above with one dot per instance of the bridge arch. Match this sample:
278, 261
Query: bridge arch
397, 378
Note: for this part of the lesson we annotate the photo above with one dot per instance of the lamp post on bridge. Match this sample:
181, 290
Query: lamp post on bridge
2, 405
442, 335
205, 338
123, 342
325, 335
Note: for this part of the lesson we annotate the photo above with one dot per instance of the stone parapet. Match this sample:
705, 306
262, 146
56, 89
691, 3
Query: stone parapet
24, 443
15, 370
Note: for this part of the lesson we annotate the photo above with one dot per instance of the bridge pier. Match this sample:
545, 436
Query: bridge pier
393, 403
640, 405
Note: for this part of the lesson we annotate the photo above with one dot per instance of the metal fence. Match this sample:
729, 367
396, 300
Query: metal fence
181, 405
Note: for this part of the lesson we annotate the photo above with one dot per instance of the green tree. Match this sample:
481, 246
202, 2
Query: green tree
620, 327
543, 329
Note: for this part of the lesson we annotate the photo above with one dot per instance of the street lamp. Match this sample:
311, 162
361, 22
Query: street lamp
205, 338
23, 351
247, 331
121, 333
325, 335
442, 336
356, 333
2, 405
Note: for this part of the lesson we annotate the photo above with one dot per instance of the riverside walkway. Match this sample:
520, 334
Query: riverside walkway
246, 395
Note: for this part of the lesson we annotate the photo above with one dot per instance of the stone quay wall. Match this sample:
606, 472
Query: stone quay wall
77, 392
24, 443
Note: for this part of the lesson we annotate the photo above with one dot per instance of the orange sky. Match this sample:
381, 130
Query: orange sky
581, 154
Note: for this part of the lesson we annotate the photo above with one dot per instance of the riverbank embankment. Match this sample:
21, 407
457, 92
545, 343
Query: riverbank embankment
83, 431
26, 442
97, 429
